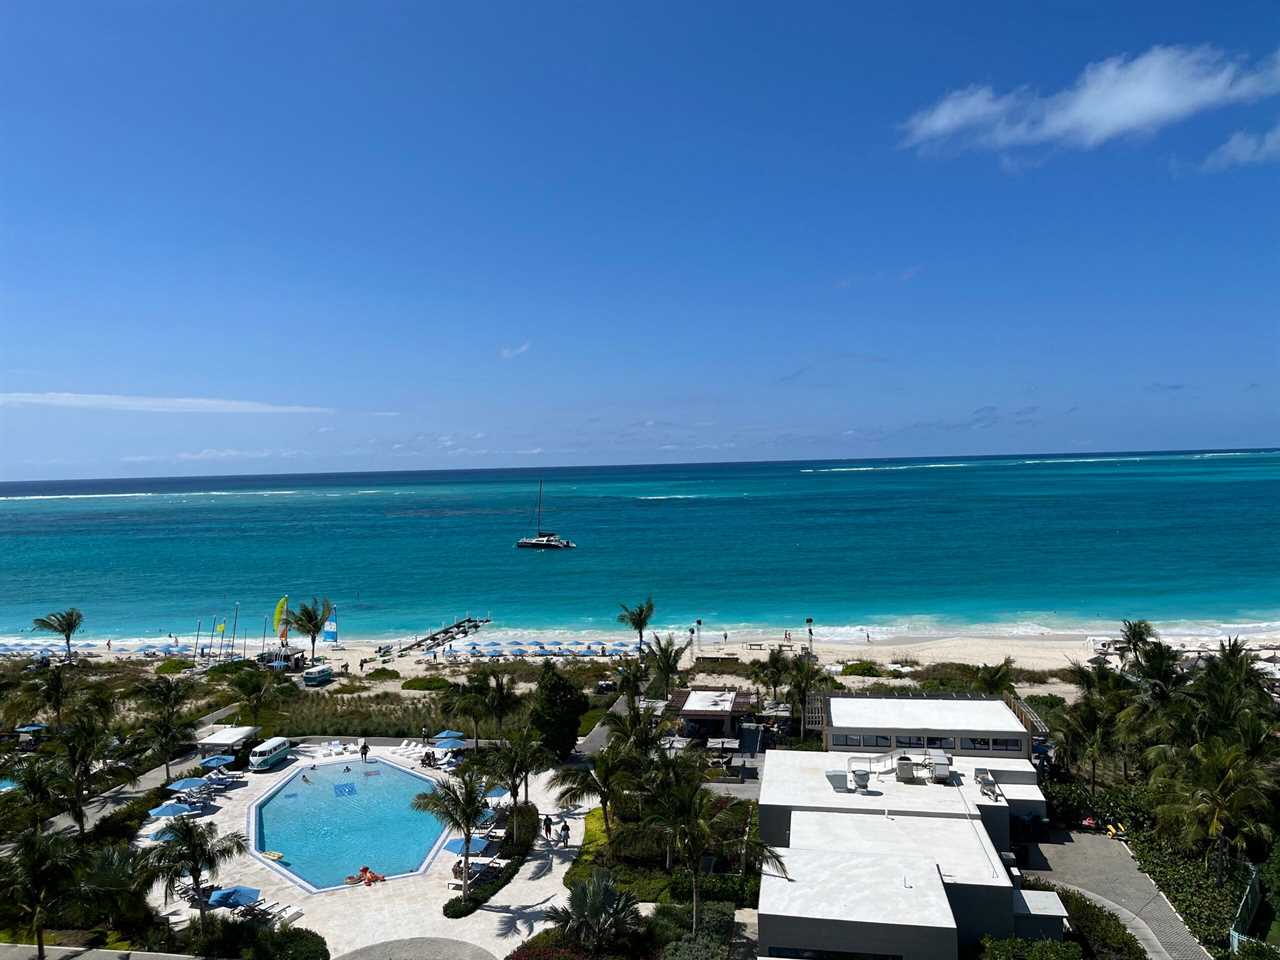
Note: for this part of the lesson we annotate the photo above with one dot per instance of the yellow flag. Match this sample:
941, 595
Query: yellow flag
222, 627
281, 609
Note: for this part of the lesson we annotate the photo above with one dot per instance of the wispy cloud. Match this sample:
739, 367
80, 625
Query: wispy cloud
132, 404
508, 353
1111, 98
386, 413
1245, 149
1159, 387
209, 453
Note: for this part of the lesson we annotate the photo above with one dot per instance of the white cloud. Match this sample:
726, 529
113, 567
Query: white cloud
508, 353
1112, 98
209, 453
117, 402
386, 413
1245, 149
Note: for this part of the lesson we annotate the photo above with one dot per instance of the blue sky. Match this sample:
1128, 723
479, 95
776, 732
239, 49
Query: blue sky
251, 238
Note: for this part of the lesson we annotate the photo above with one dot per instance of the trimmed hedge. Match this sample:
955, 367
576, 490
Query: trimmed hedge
1018, 949
1103, 934
730, 887
712, 939
433, 683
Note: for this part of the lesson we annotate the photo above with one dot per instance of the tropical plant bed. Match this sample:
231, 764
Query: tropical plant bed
524, 823
1098, 932
1206, 900
666, 936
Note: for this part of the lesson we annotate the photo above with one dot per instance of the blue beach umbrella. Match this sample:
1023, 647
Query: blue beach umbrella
171, 810
234, 897
214, 762
536, 643
494, 653
518, 652
450, 744
31, 728
574, 643
448, 735
456, 845
494, 643
495, 792
187, 783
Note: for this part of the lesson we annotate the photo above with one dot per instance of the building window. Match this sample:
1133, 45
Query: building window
941, 743
838, 740
875, 740
910, 743
975, 743
1007, 744
853, 740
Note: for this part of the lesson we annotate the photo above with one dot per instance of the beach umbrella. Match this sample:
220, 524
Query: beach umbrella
451, 744
496, 792
448, 735
234, 897
575, 643
542, 653
518, 652
494, 653
187, 783
171, 810
220, 760
536, 643
457, 844
494, 643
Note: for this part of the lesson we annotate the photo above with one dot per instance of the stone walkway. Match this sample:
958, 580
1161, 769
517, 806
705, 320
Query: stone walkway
420, 948
1104, 869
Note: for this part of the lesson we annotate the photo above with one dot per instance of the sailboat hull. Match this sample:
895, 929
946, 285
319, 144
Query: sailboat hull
545, 543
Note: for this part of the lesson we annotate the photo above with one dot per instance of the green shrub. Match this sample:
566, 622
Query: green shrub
715, 933
1018, 949
1269, 875
1256, 950
1070, 802
730, 887
1206, 900
433, 683
1102, 933
298, 943
861, 668
175, 665
547, 945
1044, 703
123, 823
229, 669
382, 673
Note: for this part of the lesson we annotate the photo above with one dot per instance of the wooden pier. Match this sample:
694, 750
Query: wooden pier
460, 628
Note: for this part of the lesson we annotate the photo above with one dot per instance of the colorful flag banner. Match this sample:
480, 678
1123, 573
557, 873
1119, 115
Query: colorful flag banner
330, 634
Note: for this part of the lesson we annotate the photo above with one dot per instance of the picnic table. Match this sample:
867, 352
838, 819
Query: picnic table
755, 646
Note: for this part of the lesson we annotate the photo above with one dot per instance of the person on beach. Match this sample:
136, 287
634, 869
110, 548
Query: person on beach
546, 827
108, 646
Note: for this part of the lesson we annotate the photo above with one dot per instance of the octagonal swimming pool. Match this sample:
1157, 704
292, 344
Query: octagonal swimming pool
343, 816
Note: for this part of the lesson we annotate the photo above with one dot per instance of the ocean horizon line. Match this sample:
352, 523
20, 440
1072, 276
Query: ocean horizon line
1059, 456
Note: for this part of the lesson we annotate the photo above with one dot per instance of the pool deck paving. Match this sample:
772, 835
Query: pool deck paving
405, 908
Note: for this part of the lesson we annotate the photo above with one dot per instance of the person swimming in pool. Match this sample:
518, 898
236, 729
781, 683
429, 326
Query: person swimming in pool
304, 779
346, 769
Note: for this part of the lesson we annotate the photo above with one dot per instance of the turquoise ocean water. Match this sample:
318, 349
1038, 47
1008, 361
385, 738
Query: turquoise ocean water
1067, 542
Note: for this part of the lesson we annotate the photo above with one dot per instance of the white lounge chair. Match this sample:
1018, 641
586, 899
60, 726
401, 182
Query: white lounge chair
404, 745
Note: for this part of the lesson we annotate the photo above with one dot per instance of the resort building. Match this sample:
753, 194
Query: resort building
899, 853
963, 726
710, 711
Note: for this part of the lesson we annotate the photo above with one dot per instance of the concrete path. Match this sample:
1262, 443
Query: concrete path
1104, 869
107, 803
24, 951
598, 738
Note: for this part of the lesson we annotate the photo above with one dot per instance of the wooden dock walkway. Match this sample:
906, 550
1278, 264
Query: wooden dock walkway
460, 628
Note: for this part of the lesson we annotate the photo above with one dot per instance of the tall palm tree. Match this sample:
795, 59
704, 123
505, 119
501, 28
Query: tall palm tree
994, 679
805, 676
195, 850
598, 917
633, 674
500, 697
88, 759
664, 658
113, 881
256, 689
771, 671
1218, 798
516, 760
65, 623
309, 619
459, 804
1084, 733
637, 733
468, 701
637, 618
165, 728
37, 779
607, 780
1135, 637
52, 689
37, 879
690, 818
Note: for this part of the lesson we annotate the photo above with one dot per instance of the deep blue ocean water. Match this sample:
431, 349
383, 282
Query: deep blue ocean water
1065, 541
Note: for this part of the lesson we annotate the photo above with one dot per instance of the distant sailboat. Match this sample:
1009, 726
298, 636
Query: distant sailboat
545, 539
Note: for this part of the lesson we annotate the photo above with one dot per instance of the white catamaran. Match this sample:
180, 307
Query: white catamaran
545, 539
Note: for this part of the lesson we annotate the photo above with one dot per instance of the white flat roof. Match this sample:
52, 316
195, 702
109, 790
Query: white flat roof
708, 701
838, 885
925, 715
959, 846
229, 736
1041, 903
808, 780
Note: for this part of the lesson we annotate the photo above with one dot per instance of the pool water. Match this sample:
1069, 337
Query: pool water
343, 820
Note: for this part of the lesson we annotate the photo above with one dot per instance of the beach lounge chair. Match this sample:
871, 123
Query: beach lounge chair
404, 745
349, 747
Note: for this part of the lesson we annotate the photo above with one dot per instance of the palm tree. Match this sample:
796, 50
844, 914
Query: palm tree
37, 779
52, 689
771, 672
164, 728
65, 623
256, 689
805, 676
664, 658
637, 733
1218, 798
516, 760
994, 680
37, 879
598, 917
607, 780
88, 758
468, 701
633, 674
309, 619
637, 618
1135, 636
194, 850
1084, 733
500, 697
459, 804
689, 818
114, 880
